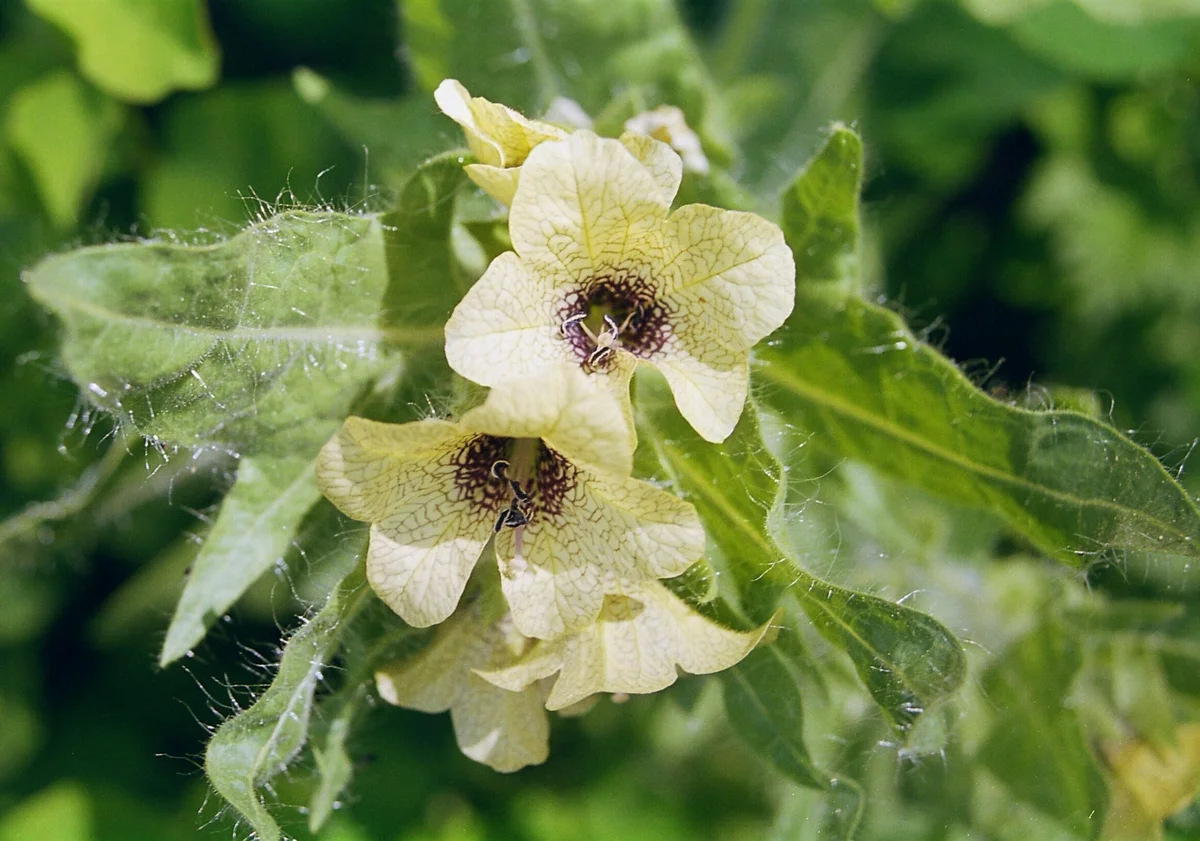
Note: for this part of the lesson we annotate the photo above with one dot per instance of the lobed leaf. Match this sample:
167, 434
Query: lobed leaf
853, 376
257, 744
253, 531
257, 345
907, 660
138, 51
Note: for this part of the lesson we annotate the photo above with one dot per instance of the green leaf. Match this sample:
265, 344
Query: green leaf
396, 134
764, 701
257, 345
335, 768
138, 50
854, 377
62, 130
820, 211
62, 812
524, 53
1037, 747
253, 531
907, 660
254, 746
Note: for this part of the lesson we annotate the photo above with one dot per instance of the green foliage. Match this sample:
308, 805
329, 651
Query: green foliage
1031, 170
136, 50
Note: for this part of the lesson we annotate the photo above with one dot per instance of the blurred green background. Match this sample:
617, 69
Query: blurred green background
1032, 205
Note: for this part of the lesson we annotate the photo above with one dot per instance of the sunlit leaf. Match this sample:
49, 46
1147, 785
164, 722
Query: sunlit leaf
62, 130
62, 812
853, 377
1037, 746
907, 660
251, 534
257, 744
138, 51
258, 344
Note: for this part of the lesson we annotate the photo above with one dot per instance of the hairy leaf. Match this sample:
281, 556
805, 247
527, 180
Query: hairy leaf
257, 744
252, 532
907, 660
854, 377
138, 51
257, 345
1037, 746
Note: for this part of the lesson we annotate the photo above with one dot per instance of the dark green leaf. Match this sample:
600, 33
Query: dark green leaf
820, 211
1037, 746
252, 533
257, 345
907, 660
764, 700
257, 744
135, 50
335, 768
854, 376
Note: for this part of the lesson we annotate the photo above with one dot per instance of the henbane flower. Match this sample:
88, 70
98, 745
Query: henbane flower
603, 277
495, 682
543, 465
498, 136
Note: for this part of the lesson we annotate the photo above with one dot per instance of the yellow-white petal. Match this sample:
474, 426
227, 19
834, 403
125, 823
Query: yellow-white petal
608, 533
585, 204
637, 645
730, 270
505, 730
496, 134
575, 415
659, 158
507, 326
426, 534
709, 382
498, 182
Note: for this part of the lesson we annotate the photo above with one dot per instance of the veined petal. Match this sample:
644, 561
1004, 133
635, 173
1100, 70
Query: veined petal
573, 414
709, 382
728, 270
498, 182
659, 158
506, 327
607, 533
668, 124
496, 134
584, 205
637, 645
502, 729
427, 532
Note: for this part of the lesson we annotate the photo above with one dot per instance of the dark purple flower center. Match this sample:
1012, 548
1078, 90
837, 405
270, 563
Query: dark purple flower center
615, 310
487, 466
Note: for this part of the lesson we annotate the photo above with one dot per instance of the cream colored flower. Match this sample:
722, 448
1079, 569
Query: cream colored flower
503, 729
498, 136
668, 124
637, 645
543, 466
604, 278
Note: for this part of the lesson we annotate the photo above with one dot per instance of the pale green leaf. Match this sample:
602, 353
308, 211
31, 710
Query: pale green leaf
251, 534
764, 701
1037, 745
138, 50
335, 768
254, 746
61, 129
907, 660
258, 344
855, 380
62, 812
